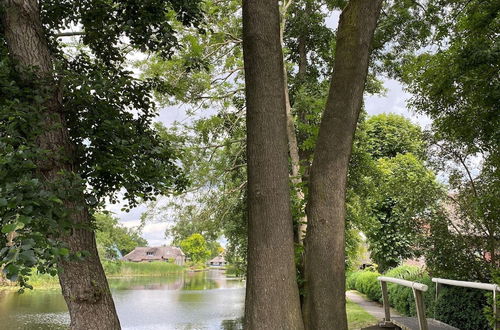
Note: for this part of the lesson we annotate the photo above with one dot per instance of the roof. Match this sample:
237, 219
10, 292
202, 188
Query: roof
154, 253
218, 259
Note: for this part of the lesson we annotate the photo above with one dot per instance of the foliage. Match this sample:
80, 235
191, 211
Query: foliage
366, 282
155, 268
462, 307
402, 298
391, 192
408, 192
457, 86
108, 116
195, 247
391, 134
112, 236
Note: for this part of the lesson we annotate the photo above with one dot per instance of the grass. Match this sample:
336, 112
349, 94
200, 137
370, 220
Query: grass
155, 268
357, 317
111, 268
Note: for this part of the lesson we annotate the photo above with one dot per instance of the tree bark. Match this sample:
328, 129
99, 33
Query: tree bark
272, 297
324, 305
84, 285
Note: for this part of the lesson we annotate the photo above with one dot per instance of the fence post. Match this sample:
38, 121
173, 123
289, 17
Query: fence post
419, 303
438, 288
385, 297
496, 317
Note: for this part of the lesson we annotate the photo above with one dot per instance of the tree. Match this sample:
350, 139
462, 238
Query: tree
457, 86
272, 303
111, 236
62, 117
408, 197
390, 135
324, 303
195, 247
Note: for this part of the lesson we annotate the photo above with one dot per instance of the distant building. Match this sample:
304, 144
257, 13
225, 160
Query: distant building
160, 253
218, 261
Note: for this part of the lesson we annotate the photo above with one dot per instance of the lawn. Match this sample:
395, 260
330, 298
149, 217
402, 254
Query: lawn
357, 317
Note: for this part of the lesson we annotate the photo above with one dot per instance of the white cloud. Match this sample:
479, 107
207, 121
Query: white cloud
394, 101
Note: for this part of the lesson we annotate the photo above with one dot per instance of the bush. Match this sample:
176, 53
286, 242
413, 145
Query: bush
351, 280
111, 267
366, 282
462, 308
402, 298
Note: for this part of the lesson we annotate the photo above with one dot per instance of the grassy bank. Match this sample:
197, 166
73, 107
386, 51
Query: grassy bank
111, 268
156, 268
357, 317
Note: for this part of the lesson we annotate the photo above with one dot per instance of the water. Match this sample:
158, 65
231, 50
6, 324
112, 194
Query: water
202, 300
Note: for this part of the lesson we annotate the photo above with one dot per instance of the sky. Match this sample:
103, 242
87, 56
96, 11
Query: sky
394, 101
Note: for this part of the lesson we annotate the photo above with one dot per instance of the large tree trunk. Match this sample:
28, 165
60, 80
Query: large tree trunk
324, 305
272, 297
84, 285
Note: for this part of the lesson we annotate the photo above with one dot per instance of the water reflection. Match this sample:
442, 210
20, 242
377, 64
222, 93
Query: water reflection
202, 300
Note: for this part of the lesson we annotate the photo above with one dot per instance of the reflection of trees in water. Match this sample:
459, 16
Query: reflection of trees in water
232, 324
39, 301
205, 280
148, 283
199, 281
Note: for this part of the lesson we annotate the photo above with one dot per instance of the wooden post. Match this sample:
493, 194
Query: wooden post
438, 288
496, 317
419, 303
385, 296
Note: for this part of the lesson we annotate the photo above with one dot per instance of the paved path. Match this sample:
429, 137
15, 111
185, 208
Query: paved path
374, 308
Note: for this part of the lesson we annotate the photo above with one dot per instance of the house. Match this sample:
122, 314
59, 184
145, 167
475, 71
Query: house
218, 261
160, 253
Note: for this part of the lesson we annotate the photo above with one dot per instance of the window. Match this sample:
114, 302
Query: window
150, 253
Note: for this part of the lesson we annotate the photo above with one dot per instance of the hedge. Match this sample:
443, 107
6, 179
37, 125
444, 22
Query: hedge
459, 307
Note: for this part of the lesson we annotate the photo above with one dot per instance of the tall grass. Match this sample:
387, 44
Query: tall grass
111, 268
155, 268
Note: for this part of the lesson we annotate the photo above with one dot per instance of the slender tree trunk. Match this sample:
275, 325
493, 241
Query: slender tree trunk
324, 305
84, 285
272, 297
293, 146
304, 154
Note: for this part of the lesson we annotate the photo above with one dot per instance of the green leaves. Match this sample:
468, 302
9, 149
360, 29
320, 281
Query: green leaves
195, 247
9, 228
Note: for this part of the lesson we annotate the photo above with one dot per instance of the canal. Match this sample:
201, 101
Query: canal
190, 300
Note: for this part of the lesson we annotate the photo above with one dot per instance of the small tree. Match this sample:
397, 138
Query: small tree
196, 248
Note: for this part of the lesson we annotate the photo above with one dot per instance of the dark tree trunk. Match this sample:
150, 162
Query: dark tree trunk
324, 305
84, 285
272, 297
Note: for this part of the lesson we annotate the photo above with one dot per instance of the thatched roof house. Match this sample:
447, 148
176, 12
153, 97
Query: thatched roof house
160, 253
218, 261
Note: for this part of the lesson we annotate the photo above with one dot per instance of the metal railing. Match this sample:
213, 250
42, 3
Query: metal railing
473, 285
418, 289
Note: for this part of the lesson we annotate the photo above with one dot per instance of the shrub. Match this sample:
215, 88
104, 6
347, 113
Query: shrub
111, 267
462, 308
367, 283
351, 280
402, 298
459, 307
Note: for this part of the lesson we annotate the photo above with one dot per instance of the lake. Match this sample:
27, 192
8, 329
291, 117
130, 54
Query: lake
200, 300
